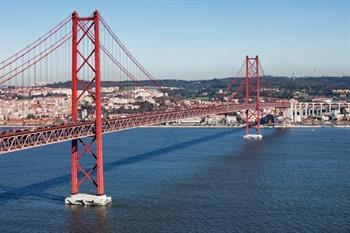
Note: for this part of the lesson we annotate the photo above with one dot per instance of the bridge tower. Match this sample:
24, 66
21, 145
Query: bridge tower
252, 94
86, 69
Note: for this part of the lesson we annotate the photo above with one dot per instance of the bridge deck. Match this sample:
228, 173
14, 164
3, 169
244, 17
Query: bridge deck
15, 141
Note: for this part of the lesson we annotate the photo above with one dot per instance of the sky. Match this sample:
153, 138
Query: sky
203, 39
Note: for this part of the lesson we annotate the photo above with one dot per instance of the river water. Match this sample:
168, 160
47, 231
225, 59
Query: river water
188, 180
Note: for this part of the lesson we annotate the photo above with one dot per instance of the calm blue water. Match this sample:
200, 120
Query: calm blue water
188, 180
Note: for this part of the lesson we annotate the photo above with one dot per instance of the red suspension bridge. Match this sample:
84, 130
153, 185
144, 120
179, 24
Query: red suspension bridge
84, 50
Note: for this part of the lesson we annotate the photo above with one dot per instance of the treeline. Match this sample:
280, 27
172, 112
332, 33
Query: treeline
313, 86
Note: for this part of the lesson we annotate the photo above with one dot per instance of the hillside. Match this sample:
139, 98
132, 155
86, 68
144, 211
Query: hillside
310, 86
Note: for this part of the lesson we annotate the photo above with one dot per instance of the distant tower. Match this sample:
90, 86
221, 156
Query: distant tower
252, 119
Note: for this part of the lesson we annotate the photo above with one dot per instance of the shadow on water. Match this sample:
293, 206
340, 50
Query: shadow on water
251, 147
38, 189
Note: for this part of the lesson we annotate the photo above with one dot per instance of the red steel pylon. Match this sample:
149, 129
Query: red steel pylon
252, 76
86, 30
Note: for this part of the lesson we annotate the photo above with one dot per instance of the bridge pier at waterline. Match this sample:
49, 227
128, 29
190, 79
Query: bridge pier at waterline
87, 199
253, 137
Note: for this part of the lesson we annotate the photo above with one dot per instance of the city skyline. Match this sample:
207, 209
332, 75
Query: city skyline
202, 40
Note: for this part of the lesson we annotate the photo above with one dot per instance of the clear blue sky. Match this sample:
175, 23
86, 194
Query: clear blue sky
204, 39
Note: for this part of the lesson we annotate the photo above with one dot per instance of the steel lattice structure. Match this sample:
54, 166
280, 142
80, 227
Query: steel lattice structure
90, 61
10, 142
252, 75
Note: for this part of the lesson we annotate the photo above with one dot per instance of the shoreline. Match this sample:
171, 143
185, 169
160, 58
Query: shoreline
17, 126
213, 127
242, 126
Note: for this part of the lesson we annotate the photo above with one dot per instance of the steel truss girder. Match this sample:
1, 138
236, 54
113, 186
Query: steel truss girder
10, 142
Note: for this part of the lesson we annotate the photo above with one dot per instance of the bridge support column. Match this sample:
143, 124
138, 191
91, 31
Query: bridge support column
307, 110
87, 29
291, 112
319, 111
74, 110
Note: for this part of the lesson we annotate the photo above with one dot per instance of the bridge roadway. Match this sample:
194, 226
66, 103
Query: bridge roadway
15, 141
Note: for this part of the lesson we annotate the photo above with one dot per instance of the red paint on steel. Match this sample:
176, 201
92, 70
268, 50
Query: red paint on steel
253, 76
99, 159
246, 93
85, 55
16, 141
74, 110
257, 91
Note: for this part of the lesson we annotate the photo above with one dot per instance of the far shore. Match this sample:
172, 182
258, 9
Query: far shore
243, 126
208, 126
18, 126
